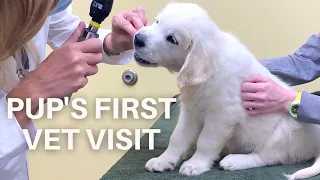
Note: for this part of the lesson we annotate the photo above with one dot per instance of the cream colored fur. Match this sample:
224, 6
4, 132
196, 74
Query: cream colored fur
211, 65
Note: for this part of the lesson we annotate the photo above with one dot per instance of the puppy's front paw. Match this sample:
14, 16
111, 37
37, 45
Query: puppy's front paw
160, 164
233, 162
193, 168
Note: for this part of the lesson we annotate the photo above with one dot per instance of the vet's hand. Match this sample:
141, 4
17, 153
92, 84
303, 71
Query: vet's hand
124, 27
261, 95
62, 73
66, 69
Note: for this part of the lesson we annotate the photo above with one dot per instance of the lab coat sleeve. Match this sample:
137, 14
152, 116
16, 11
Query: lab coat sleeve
12, 139
63, 24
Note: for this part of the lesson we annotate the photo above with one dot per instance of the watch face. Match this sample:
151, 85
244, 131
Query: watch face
294, 110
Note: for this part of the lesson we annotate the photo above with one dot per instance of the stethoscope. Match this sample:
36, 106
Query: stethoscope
23, 65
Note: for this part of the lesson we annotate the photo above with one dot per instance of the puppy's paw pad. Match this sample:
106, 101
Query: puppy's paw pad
189, 168
232, 162
159, 165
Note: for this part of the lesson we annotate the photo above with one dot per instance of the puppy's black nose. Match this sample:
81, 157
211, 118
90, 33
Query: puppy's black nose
139, 40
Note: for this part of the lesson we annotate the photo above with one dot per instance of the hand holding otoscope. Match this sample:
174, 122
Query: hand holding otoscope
99, 11
124, 26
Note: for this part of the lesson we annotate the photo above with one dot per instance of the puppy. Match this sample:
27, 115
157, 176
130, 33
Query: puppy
211, 65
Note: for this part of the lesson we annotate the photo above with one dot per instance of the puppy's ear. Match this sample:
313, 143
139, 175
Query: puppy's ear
198, 66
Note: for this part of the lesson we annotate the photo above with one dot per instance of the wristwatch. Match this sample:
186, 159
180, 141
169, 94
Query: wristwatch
105, 48
294, 106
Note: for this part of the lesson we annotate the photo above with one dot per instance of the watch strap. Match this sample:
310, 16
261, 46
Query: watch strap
105, 47
297, 100
295, 104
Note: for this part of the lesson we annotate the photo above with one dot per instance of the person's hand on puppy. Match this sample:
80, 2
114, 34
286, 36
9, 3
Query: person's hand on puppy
262, 95
124, 27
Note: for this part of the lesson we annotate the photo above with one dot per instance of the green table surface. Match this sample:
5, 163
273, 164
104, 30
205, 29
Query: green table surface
132, 164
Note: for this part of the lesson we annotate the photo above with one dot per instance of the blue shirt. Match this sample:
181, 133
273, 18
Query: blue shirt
301, 67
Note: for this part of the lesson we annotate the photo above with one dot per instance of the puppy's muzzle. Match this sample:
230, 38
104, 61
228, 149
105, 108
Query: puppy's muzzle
139, 40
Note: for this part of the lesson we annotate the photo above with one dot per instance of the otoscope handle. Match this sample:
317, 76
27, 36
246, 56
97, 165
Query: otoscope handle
90, 32
99, 10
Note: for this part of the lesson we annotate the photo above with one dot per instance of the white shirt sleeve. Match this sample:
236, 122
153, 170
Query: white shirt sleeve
63, 24
12, 139
122, 59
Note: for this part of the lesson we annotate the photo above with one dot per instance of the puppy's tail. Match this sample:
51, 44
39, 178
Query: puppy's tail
314, 170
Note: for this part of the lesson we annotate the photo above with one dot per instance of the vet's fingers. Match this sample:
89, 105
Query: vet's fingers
249, 87
135, 20
81, 83
142, 13
252, 96
253, 105
260, 111
258, 78
93, 45
76, 34
121, 23
92, 70
93, 58
147, 23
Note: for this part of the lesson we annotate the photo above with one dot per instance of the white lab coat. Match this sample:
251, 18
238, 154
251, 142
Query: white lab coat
13, 146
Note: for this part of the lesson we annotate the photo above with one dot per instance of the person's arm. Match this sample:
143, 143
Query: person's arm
12, 139
301, 67
309, 110
63, 24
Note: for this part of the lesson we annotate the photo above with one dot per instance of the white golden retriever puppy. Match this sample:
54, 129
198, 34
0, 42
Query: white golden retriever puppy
211, 66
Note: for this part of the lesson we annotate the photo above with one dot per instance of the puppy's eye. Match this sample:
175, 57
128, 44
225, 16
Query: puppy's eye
172, 40
157, 21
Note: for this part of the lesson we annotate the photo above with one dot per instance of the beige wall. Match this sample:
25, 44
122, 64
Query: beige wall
269, 28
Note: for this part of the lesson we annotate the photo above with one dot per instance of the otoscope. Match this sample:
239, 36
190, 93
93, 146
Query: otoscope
99, 11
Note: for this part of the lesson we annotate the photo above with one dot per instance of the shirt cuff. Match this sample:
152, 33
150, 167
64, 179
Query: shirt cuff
122, 59
309, 108
12, 139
